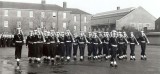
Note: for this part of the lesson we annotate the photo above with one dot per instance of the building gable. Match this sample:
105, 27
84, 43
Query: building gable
138, 17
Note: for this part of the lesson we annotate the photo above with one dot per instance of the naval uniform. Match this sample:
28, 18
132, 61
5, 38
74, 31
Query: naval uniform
95, 46
90, 46
53, 46
61, 51
75, 46
121, 45
81, 42
68, 43
29, 43
39, 45
100, 47
105, 41
132, 42
143, 42
46, 48
113, 45
18, 40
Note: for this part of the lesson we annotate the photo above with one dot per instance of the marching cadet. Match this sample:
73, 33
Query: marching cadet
121, 44
75, 46
0, 40
81, 41
133, 41
35, 45
143, 40
47, 47
113, 44
39, 48
125, 45
29, 43
90, 45
105, 41
18, 40
95, 41
100, 46
68, 42
62, 48
53, 46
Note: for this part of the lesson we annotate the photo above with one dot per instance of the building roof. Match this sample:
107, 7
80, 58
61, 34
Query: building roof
111, 16
19, 5
115, 12
77, 11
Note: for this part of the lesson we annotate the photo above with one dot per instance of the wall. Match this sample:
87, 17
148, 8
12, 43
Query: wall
137, 18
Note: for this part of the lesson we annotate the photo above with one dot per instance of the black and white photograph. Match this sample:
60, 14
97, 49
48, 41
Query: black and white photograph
79, 37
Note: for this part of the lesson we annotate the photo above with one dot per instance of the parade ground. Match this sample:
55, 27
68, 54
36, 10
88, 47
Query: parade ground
150, 66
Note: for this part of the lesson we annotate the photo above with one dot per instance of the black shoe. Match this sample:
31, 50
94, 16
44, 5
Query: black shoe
74, 59
134, 58
30, 60
18, 63
44, 60
81, 59
111, 65
52, 61
38, 62
35, 61
68, 60
142, 58
115, 65
145, 58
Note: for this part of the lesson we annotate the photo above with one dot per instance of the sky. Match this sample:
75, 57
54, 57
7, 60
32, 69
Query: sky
98, 6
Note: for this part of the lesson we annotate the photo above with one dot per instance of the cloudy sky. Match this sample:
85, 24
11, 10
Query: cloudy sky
97, 6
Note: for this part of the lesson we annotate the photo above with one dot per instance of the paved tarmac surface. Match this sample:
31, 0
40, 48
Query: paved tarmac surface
151, 66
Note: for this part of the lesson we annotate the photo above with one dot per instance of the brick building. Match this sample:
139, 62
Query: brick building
157, 25
137, 18
29, 16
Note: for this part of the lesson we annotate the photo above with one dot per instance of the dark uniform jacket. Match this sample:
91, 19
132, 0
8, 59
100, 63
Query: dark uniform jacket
18, 39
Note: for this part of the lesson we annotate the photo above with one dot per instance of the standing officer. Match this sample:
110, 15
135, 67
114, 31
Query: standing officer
75, 46
143, 40
133, 41
113, 43
47, 47
81, 42
105, 41
68, 42
29, 43
18, 40
90, 45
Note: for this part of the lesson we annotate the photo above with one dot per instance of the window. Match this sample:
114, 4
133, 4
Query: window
42, 14
85, 28
5, 12
53, 24
75, 27
64, 25
18, 13
30, 24
19, 24
31, 14
54, 14
85, 19
5, 23
42, 24
64, 15
75, 18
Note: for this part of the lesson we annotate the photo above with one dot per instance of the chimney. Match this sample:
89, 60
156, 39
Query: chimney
43, 1
118, 8
64, 4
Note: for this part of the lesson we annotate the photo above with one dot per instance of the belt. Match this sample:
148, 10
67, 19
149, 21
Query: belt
143, 41
121, 42
53, 42
106, 42
47, 43
19, 41
132, 43
81, 42
114, 45
95, 43
39, 42
34, 42
68, 41
61, 42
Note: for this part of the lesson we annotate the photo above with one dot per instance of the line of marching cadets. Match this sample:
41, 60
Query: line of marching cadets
6, 40
57, 46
